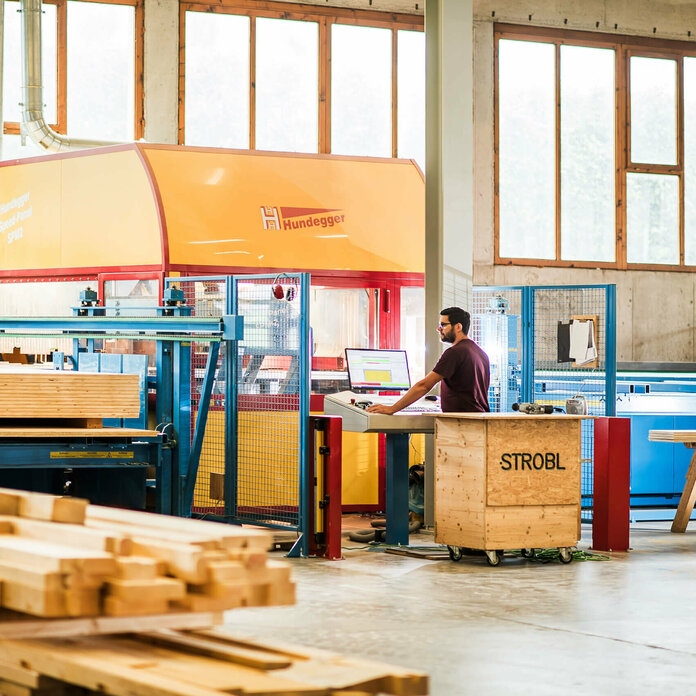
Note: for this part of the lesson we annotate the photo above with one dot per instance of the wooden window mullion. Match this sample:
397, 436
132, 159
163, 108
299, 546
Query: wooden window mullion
181, 138
622, 144
680, 157
62, 65
395, 94
557, 74
252, 82
139, 70
325, 85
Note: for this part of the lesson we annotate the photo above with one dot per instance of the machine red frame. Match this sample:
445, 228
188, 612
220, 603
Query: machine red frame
329, 459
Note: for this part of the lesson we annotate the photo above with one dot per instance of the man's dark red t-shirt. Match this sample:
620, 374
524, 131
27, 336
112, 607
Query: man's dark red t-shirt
466, 375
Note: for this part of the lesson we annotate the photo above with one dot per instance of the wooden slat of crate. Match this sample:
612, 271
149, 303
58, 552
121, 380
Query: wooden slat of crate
59, 394
207, 664
16, 626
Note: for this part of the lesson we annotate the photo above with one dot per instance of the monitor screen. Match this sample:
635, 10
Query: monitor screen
382, 370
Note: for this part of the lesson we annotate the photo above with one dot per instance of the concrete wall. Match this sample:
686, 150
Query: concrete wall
656, 315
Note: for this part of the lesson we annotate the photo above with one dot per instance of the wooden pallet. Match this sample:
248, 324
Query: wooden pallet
199, 663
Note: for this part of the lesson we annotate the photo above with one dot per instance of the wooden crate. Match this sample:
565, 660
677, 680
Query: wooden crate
507, 481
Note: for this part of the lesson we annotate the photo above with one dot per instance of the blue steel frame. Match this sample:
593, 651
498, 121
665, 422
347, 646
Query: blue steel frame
173, 335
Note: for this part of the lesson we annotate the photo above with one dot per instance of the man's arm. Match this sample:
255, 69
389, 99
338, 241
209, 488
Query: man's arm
417, 391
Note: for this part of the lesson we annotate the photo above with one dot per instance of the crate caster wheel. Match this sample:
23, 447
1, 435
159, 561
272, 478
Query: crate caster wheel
528, 553
494, 557
455, 553
565, 554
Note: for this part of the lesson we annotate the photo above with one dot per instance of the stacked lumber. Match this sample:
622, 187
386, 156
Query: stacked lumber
61, 557
199, 663
41, 393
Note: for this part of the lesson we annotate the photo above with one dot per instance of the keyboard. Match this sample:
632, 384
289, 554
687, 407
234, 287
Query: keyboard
420, 407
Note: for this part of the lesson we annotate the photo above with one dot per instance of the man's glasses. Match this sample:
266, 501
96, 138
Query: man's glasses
442, 324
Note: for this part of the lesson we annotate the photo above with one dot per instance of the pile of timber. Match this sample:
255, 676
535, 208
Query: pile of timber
42, 393
200, 663
61, 557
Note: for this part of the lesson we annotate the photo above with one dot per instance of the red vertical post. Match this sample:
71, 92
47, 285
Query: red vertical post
333, 482
612, 484
329, 459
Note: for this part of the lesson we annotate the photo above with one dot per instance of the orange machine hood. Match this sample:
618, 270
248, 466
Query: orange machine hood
142, 206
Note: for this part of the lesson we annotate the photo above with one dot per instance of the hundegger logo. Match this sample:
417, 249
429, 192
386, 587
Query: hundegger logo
280, 218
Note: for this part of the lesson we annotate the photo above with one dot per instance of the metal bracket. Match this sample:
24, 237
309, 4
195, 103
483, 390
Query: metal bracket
232, 327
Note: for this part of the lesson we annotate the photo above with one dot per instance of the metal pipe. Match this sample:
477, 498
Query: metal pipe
33, 121
2, 70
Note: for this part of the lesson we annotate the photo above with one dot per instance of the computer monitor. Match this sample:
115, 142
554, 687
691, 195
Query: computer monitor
379, 370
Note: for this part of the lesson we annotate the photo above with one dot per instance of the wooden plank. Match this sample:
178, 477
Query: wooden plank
214, 646
115, 606
38, 393
201, 540
25, 677
50, 603
42, 506
138, 568
460, 482
150, 590
229, 535
533, 462
685, 436
531, 526
79, 535
16, 626
51, 432
55, 557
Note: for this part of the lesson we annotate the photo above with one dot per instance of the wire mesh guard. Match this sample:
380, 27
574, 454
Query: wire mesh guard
208, 298
269, 400
555, 382
496, 326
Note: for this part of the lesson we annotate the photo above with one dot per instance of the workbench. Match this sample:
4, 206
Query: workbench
507, 481
688, 496
57, 447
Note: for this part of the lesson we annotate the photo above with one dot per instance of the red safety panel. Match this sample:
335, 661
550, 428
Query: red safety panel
612, 484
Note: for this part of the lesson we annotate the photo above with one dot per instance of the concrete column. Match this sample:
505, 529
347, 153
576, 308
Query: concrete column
161, 71
449, 184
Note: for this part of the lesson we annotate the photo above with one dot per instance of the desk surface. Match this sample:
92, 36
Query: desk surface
512, 416
22, 432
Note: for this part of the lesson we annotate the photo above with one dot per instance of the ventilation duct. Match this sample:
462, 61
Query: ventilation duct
33, 121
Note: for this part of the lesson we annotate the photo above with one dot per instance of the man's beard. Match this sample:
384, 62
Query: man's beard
447, 339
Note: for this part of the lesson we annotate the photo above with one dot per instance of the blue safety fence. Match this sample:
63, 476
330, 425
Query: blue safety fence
252, 458
522, 330
207, 297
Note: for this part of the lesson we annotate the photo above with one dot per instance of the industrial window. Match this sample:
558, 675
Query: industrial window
92, 59
595, 150
101, 70
282, 77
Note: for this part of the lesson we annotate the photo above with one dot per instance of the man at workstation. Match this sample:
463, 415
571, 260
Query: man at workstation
463, 368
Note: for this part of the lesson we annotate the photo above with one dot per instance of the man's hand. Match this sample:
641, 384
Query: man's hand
381, 408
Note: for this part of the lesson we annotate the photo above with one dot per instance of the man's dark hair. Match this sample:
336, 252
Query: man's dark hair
457, 315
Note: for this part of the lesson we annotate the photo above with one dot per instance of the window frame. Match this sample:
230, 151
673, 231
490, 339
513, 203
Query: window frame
625, 47
324, 17
14, 127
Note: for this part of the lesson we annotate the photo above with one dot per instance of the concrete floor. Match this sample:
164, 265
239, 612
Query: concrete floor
622, 626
